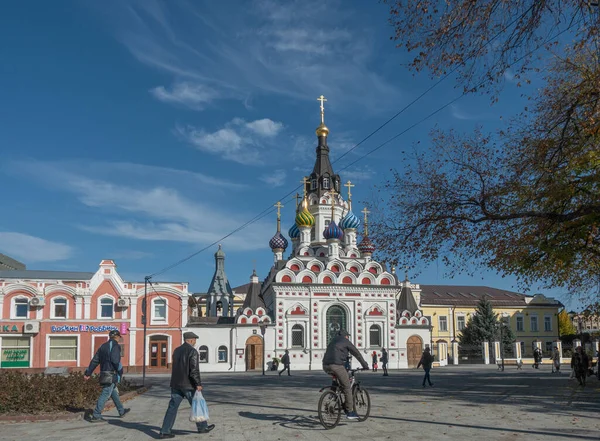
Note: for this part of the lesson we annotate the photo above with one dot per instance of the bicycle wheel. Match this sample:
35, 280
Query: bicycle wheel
362, 403
330, 409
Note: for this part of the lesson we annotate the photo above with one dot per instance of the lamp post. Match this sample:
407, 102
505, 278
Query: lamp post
263, 329
144, 322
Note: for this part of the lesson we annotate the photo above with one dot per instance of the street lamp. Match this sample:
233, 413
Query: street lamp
263, 329
502, 317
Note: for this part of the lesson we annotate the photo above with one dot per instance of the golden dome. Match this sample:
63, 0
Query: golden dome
322, 130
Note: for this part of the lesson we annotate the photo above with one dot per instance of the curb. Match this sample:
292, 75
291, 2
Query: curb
66, 416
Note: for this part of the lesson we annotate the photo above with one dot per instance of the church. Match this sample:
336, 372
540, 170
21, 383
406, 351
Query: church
328, 281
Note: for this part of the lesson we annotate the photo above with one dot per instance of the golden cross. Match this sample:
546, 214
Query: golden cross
366, 212
279, 206
305, 182
297, 197
333, 193
349, 185
322, 99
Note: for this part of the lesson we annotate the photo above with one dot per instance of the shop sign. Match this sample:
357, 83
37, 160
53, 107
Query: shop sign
14, 354
84, 328
9, 328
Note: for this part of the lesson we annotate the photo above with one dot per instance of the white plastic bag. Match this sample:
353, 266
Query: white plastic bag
199, 411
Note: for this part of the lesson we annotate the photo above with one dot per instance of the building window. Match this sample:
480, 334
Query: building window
63, 349
547, 323
534, 323
326, 183
522, 348
106, 308
203, 353
520, 324
21, 308
460, 322
549, 347
219, 308
159, 310
59, 308
443, 323
222, 354
375, 336
313, 184
297, 336
336, 320
15, 352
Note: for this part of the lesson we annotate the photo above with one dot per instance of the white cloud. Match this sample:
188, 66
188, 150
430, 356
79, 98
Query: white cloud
276, 178
265, 127
31, 249
459, 114
193, 95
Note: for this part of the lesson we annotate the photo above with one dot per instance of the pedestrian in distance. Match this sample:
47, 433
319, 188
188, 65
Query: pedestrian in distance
185, 381
374, 359
580, 363
108, 357
384, 362
556, 361
285, 360
537, 358
426, 361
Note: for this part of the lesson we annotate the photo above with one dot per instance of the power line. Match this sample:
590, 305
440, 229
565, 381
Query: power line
270, 209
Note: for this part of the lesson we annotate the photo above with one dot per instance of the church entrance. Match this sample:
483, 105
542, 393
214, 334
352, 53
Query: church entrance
414, 349
336, 320
254, 353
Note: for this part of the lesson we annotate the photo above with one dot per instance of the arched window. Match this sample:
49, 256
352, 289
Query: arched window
222, 352
336, 320
313, 184
59, 308
375, 336
106, 308
159, 310
21, 308
297, 336
219, 308
203, 353
326, 183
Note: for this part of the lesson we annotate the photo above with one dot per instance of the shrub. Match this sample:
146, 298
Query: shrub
23, 393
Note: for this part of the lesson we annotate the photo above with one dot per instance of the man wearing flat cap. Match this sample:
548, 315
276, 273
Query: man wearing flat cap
185, 381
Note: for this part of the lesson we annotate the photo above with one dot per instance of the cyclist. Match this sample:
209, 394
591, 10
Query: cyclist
333, 363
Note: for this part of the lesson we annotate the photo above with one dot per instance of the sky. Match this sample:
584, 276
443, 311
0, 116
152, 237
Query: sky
144, 131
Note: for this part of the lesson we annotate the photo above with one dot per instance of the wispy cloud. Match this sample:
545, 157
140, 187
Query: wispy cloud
358, 174
194, 96
462, 115
32, 249
276, 178
238, 141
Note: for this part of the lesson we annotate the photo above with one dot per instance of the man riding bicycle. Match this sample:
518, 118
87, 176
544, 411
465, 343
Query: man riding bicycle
333, 363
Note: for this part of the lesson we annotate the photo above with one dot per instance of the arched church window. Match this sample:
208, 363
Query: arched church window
336, 320
222, 354
297, 336
313, 184
203, 354
375, 336
326, 183
219, 309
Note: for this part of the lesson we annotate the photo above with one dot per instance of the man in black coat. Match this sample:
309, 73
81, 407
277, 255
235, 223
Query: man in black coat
108, 357
285, 361
426, 361
334, 360
384, 361
185, 381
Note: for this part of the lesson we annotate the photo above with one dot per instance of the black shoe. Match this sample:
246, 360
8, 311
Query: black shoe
207, 429
96, 420
125, 412
280, 374
165, 435
430, 384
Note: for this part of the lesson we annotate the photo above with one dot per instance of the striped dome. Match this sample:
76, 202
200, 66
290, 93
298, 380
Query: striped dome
333, 231
349, 221
304, 218
366, 246
294, 232
278, 242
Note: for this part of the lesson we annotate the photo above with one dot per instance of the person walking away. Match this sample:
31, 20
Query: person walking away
426, 361
537, 358
579, 364
374, 358
556, 361
185, 381
108, 357
334, 362
384, 362
285, 360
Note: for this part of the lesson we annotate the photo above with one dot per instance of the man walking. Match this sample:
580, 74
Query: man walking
185, 381
108, 357
426, 361
580, 364
384, 362
285, 360
334, 360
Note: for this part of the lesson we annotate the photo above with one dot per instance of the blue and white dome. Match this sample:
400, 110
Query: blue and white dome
350, 221
333, 231
278, 242
294, 232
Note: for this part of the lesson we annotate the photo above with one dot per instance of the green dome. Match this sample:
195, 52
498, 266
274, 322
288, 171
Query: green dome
304, 218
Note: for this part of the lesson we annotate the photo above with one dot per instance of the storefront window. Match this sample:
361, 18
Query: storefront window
15, 352
63, 349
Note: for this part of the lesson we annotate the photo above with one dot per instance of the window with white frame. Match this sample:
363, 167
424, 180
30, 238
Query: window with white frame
375, 336
59, 308
107, 306
203, 354
326, 183
297, 336
313, 184
460, 322
534, 323
547, 323
20, 307
159, 310
520, 323
62, 349
443, 323
222, 352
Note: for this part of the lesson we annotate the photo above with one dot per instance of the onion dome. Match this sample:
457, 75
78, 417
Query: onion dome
366, 246
278, 242
304, 218
349, 221
322, 130
294, 232
333, 231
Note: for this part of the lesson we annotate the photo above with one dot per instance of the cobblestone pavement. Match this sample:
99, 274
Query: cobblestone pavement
470, 402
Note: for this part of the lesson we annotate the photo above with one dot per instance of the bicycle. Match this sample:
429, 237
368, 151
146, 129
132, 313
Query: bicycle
331, 402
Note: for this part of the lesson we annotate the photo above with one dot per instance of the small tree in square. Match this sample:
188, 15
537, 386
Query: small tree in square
484, 325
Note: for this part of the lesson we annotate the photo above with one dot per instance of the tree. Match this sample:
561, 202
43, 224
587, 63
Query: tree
565, 326
484, 326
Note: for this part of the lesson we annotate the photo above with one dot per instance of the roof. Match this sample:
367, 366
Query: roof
39, 274
204, 321
242, 289
472, 295
407, 301
10, 263
253, 298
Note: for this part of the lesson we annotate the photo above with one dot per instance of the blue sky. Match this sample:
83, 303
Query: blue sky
143, 131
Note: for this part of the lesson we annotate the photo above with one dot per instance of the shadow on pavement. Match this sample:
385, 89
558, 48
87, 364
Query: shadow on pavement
298, 422
151, 430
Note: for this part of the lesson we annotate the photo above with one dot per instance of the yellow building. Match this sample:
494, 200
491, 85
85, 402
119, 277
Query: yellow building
531, 318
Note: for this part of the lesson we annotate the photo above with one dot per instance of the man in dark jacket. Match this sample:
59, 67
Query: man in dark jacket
185, 381
333, 363
580, 363
384, 361
108, 357
426, 361
285, 361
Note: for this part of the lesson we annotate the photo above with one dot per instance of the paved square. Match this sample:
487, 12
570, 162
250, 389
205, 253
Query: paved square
465, 403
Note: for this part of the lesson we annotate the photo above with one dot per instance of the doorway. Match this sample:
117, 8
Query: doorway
254, 353
414, 347
159, 350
